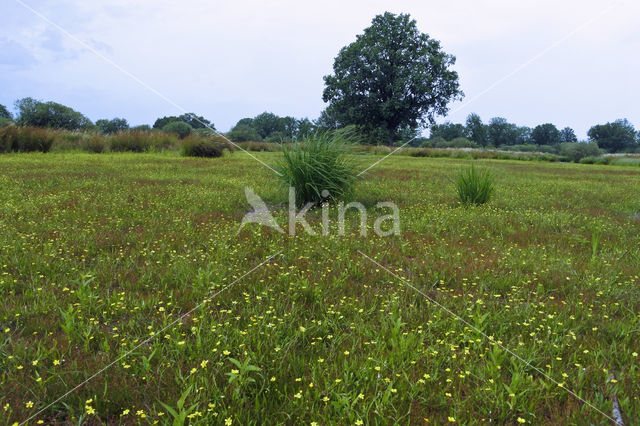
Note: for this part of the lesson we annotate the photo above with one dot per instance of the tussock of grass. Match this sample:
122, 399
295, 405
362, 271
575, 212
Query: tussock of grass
317, 164
474, 186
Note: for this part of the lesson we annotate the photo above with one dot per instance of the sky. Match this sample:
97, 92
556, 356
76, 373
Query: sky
572, 63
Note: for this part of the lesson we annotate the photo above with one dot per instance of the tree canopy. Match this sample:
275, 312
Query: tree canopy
614, 137
270, 127
392, 77
32, 112
114, 125
4, 112
192, 119
546, 134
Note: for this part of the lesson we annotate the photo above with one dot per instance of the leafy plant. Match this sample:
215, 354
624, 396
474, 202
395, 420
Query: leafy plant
474, 186
196, 146
181, 412
318, 166
178, 128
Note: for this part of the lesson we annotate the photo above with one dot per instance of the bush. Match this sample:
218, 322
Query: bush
575, 151
319, 163
95, 144
473, 186
178, 128
25, 139
196, 146
130, 141
5, 121
243, 133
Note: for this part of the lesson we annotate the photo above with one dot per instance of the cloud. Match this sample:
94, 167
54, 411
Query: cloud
14, 55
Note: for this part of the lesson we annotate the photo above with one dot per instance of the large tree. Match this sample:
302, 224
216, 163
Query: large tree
32, 112
568, 135
613, 137
476, 130
392, 77
546, 134
501, 132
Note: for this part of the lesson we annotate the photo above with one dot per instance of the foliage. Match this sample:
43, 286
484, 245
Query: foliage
474, 186
32, 112
178, 128
197, 146
476, 130
130, 141
5, 121
141, 128
316, 164
546, 134
501, 132
25, 139
243, 133
614, 137
448, 131
115, 125
271, 127
4, 113
568, 135
576, 151
192, 119
392, 75
94, 144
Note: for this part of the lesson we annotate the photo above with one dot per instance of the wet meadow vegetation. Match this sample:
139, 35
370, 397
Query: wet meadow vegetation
100, 254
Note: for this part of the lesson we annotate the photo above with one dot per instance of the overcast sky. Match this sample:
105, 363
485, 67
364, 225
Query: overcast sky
233, 59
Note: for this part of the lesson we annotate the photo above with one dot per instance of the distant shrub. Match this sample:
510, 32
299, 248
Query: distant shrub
317, 164
432, 142
4, 121
143, 141
25, 139
196, 146
95, 144
141, 128
575, 151
130, 141
243, 133
460, 142
204, 131
178, 128
276, 136
473, 186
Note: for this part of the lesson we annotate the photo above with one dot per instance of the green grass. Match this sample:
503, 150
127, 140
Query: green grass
100, 252
474, 186
318, 168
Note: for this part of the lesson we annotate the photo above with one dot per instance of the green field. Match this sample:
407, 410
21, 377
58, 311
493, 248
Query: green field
100, 254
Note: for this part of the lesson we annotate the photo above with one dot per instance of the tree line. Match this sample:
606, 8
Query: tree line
617, 136
391, 83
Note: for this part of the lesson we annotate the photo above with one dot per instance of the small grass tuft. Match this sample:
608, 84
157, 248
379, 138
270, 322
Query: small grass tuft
474, 186
316, 164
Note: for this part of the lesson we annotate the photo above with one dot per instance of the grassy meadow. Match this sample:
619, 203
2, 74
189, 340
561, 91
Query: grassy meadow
101, 254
